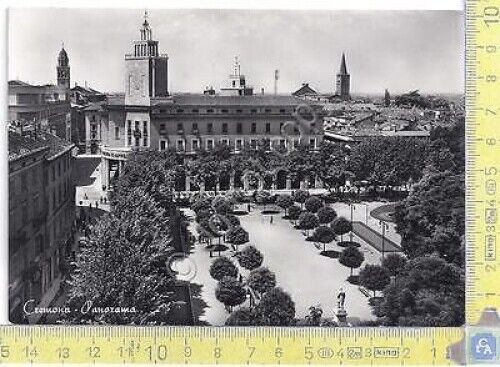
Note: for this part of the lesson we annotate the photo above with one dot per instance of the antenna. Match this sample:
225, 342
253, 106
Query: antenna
276, 77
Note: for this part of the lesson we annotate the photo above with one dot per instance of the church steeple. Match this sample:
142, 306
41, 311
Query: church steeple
63, 70
343, 67
343, 82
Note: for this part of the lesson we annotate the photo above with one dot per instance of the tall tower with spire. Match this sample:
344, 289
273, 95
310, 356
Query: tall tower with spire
146, 69
343, 82
63, 75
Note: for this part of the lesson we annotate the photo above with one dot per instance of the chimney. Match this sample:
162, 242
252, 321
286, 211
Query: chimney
262, 91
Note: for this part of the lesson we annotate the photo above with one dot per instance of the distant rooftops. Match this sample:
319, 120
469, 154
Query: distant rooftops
29, 142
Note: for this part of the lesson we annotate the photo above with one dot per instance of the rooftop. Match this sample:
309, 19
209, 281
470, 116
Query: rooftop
29, 143
254, 100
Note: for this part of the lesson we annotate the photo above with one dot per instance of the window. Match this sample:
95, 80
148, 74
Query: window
239, 128
163, 128
129, 132
254, 127
117, 132
312, 143
194, 128
180, 145
163, 145
93, 127
224, 110
180, 110
210, 110
180, 128
225, 141
282, 110
195, 110
253, 144
268, 127
238, 145
224, 127
253, 110
239, 111
210, 128
268, 110
295, 144
210, 144
145, 141
195, 144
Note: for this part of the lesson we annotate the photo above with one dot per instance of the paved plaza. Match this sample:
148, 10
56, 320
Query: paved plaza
311, 279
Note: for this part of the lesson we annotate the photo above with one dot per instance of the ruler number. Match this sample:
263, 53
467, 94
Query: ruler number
63, 352
278, 352
308, 353
490, 171
491, 49
490, 268
490, 15
30, 352
5, 351
252, 351
188, 351
217, 352
491, 78
406, 353
160, 352
491, 141
94, 352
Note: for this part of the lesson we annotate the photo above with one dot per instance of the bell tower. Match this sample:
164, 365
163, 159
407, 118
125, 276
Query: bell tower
146, 69
63, 71
343, 82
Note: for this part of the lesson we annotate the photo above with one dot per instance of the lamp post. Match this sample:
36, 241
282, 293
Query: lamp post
352, 210
384, 226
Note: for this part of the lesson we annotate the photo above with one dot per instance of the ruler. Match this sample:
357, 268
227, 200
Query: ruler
483, 157
363, 346
223, 345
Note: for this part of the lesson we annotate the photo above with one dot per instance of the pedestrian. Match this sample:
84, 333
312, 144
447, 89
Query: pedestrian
271, 220
85, 196
248, 207
90, 205
96, 205
100, 199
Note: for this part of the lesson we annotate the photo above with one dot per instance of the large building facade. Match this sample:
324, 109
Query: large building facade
41, 216
147, 116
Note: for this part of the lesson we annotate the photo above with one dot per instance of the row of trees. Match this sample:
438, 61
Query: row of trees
121, 266
378, 161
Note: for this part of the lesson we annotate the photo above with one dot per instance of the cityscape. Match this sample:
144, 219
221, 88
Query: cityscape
237, 205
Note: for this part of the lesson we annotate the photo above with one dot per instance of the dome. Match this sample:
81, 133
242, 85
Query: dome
63, 58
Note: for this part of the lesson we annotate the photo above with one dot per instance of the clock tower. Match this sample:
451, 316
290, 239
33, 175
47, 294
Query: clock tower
63, 76
146, 69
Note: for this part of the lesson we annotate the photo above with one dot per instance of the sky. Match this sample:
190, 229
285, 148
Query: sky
397, 50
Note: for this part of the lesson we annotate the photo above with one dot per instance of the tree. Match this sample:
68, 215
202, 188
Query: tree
313, 204
263, 198
341, 226
233, 220
284, 202
351, 257
294, 213
261, 280
394, 263
221, 205
222, 267
324, 235
237, 236
429, 291
276, 308
432, 218
249, 258
308, 221
300, 196
123, 263
326, 214
230, 292
374, 278
243, 317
